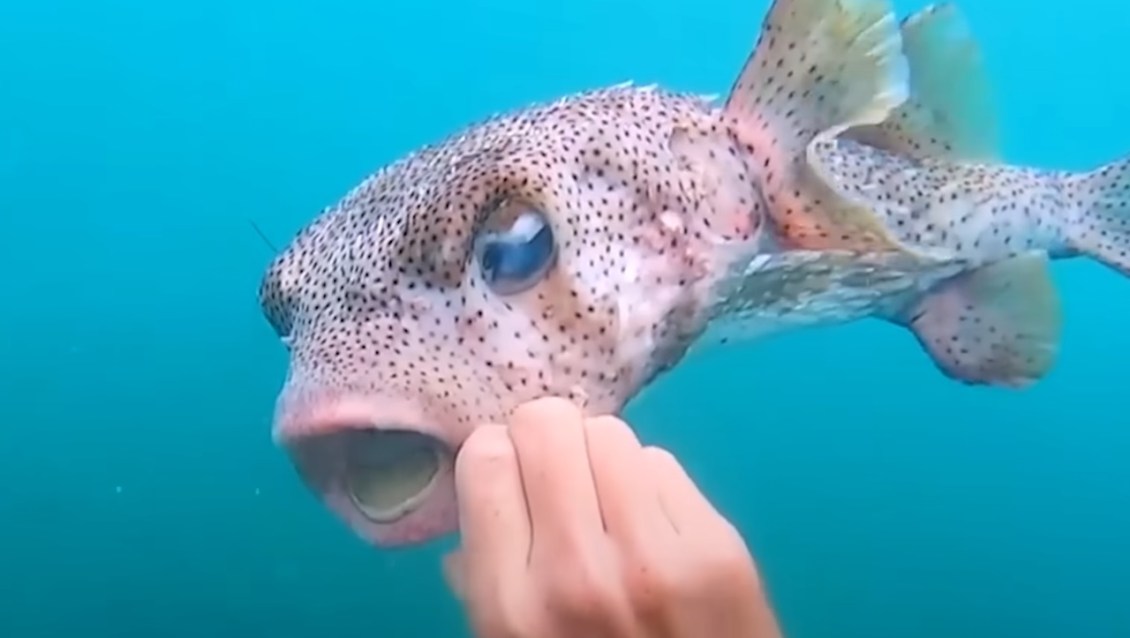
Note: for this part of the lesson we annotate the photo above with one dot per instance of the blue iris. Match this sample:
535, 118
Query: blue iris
515, 261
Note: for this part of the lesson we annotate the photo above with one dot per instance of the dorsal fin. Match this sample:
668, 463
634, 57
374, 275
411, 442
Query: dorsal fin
819, 68
950, 114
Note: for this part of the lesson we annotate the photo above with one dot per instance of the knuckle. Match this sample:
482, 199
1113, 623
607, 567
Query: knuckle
726, 563
505, 616
582, 592
650, 588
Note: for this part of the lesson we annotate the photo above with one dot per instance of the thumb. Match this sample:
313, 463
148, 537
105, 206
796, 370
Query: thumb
453, 566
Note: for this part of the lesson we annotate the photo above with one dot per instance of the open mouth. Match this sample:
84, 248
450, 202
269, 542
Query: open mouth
389, 473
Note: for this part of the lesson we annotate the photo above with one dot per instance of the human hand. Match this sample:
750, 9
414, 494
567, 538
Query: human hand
572, 529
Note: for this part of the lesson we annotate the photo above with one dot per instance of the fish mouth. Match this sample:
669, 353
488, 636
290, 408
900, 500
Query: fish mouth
381, 465
388, 473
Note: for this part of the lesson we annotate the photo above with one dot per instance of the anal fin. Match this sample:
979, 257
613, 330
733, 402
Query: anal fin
998, 325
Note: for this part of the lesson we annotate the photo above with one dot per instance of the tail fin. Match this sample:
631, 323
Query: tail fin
1101, 229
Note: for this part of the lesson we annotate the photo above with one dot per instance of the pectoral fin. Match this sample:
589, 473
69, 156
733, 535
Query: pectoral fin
997, 325
770, 293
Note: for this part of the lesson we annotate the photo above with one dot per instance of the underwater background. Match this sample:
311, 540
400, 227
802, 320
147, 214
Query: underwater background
140, 493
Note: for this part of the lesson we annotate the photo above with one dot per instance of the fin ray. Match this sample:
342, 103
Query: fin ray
950, 112
814, 47
819, 67
1100, 227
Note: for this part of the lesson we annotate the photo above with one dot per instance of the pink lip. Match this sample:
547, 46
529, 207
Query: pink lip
310, 413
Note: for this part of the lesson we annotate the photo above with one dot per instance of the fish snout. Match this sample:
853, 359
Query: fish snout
380, 464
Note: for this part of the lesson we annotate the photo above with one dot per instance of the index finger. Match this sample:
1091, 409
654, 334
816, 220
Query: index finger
494, 520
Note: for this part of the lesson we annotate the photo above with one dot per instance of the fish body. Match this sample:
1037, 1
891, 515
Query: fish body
998, 322
580, 248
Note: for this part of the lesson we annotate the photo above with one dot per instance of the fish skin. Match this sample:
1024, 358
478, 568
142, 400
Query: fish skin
665, 212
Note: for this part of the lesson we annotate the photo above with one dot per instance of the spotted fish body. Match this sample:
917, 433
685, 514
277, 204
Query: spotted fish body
579, 248
930, 172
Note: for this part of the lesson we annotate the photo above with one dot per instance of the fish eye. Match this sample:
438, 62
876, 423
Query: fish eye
517, 258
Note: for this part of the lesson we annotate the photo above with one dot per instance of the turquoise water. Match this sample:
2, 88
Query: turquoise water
140, 494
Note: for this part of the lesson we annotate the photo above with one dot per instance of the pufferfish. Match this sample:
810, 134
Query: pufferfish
582, 247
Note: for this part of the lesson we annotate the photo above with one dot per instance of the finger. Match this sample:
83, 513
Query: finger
493, 519
683, 503
549, 437
628, 497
